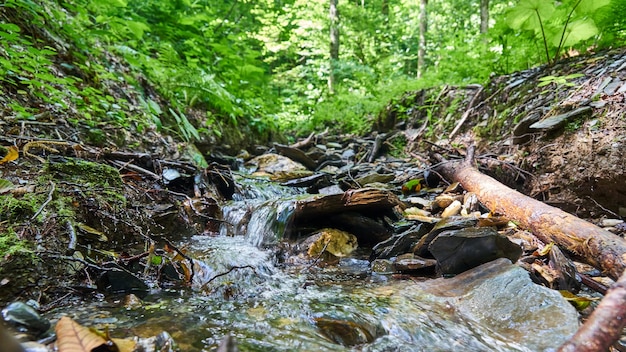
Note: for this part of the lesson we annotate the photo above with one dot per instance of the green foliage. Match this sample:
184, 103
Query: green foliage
259, 66
558, 24
558, 80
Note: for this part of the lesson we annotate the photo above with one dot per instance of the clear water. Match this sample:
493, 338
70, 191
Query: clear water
269, 306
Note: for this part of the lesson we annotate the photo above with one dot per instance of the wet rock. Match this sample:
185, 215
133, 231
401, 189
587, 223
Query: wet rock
501, 296
410, 263
121, 281
306, 181
459, 250
336, 242
344, 332
367, 230
400, 243
228, 344
131, 301
163, 342
296, 155
451, 223
26, 318
373, 178
555, 122
348, 154
383, 266
274, 163
334, 189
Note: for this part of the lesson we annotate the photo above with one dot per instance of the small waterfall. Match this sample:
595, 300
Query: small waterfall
259, 213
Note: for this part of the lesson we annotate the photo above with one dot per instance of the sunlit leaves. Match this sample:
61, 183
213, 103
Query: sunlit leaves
559, 24
528, 14
589, 6
578, 31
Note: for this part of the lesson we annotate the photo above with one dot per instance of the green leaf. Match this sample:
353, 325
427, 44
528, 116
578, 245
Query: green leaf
196, 20
10, 27
137, 28
590, 6
524, 15
578, 31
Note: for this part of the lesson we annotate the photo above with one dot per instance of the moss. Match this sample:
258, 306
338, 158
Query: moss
11, 245
15, 210
84, 172
98, 181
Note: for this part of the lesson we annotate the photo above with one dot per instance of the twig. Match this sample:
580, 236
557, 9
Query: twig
44, 203
319, 256
517, 168
204, 286
601, 207
593, 284
182, 254
466, 113
135, 168
84, 262
71, 246
303, 143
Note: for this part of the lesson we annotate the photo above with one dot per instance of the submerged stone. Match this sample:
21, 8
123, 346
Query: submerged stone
502, 297
336, 242
344, 332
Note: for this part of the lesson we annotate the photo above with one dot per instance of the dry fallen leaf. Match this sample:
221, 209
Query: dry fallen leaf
73, 337
12, 154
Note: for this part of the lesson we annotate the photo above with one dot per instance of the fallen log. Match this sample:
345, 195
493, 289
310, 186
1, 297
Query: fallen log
592, 244
604, 326
362, 199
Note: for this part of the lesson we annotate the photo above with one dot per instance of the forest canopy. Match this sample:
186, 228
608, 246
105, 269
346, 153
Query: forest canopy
294, 65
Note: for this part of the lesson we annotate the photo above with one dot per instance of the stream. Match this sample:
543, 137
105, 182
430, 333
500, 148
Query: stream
245, 289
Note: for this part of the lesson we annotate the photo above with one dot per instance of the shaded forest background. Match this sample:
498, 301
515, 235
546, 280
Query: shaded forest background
270, 68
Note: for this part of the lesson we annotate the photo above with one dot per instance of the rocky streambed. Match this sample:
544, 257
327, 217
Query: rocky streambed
308, 247
330, 243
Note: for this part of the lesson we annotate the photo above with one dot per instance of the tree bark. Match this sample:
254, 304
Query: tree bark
604, 326
484, 16
421, 51
595, 246
334, 44
362, 199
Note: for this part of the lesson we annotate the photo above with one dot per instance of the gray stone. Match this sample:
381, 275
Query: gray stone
23, 315
502, 297
557, 121
459, 250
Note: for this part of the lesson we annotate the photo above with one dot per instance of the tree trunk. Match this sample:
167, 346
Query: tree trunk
334, 44
484, 16
421, 51
592, 244
604, 326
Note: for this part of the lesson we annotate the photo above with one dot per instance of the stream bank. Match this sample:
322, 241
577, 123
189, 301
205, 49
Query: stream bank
123, 207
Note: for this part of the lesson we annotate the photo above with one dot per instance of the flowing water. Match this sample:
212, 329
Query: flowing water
270, 306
